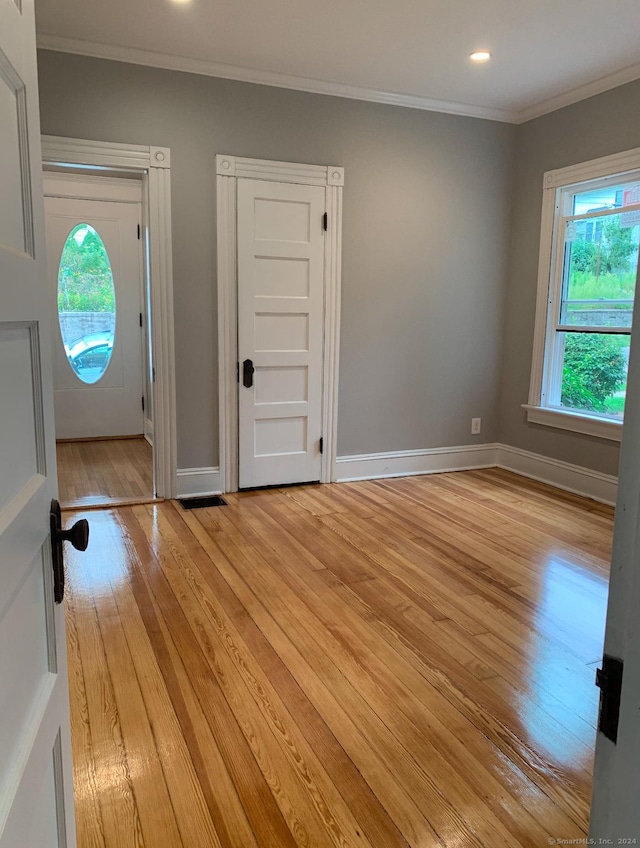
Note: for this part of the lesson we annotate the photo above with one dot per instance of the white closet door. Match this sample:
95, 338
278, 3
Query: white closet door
280, 331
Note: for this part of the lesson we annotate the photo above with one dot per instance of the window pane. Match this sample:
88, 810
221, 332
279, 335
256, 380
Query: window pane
594, 372
86, 303
610, 197
600, 267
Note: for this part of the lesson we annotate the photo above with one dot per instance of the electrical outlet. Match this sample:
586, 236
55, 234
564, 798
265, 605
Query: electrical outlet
475, 426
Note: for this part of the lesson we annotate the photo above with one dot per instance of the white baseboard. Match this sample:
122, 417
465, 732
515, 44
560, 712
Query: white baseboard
563, 475
571, 478
148, 431
197, 482
410, 463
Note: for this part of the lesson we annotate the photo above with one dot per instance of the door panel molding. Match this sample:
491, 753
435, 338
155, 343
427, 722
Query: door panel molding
153, 165
228, 170
10, 77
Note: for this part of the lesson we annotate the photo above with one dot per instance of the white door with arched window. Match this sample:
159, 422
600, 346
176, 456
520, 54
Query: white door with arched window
94, 262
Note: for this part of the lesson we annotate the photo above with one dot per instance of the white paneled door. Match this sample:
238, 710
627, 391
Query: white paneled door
280, 331
36, 801
94, 267
615, 812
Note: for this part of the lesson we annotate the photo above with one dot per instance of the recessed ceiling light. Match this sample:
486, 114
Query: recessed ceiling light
181, 2
480, 56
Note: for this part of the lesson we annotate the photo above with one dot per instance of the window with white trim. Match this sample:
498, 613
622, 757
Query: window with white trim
587, 280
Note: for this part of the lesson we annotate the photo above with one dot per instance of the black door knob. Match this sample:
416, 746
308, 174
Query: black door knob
247, 373
78, 535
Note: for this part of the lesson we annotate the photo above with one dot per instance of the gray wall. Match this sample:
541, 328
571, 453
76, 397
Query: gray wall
602, 125
426, 206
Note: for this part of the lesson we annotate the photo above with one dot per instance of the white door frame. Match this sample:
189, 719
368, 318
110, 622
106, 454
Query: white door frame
229, 169
153, 164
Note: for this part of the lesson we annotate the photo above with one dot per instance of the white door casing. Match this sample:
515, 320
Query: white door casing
36, 790
152, 166
280, 330
112, 406
231, 171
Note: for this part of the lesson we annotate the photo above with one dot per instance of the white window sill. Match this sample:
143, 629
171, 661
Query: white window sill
579, 422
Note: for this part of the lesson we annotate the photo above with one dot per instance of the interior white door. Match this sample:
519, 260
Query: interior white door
94, 266
280, 331
615, 812
36, 800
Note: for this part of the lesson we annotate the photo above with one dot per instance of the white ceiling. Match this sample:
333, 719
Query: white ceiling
546, 53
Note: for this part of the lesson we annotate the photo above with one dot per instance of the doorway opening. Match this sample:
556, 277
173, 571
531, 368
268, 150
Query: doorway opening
102, 346
110, 282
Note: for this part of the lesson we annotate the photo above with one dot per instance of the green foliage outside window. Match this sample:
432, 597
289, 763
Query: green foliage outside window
605, 269
584, 256
594, 370
85, 280
594, 367
619, 246
610, 254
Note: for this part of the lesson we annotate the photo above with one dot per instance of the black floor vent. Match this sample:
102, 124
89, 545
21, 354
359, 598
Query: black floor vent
198, 503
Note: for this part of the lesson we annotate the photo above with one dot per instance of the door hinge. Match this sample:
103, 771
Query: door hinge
141, 319
153, 375
143, 403
138, 230
237, 372
325, 222
321, 445
609, 680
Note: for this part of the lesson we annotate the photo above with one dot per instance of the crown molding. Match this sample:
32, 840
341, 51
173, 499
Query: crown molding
581, 92
232, 72
203, 67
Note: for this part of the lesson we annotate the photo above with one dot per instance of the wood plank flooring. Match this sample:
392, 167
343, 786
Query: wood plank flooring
390, 664
98, 471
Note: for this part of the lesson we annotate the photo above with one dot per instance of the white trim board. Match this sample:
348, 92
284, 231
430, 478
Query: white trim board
375, 466
575, 422
563, 475
148, 430
581, 92
153, 165
197, 482
194, 482
153, 59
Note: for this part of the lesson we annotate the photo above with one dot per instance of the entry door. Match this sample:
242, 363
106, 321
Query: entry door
615, 811
280, 331
36, 801
94, 262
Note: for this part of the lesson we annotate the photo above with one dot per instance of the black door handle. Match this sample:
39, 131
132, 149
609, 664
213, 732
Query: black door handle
78, 535
247, 373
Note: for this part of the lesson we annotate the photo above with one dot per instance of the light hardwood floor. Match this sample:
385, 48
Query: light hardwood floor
396, 663
98, 471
